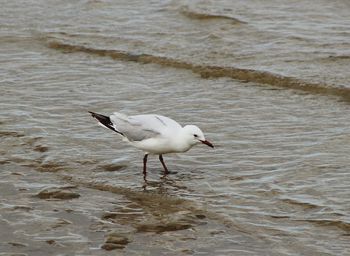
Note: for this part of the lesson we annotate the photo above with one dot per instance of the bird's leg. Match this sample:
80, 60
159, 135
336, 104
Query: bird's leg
164, 166
144, 164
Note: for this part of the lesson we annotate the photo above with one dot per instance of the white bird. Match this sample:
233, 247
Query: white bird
154, 134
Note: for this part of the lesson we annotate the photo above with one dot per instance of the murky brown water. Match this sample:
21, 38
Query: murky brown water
268, 82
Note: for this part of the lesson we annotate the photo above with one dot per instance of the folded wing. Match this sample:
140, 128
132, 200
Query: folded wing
137, 128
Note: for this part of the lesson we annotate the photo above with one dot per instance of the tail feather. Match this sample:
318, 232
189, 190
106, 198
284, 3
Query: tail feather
105, 121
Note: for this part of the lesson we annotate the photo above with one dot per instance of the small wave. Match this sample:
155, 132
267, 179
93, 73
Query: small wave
30, 144
41, 148
208, 71
10, 134
343, 225
337, 57
192, 14
306, 205
328, 222
113, 167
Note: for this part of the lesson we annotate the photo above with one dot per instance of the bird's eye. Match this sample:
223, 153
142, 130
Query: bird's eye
195, 135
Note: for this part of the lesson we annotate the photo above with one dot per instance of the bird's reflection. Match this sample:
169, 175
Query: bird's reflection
164, 185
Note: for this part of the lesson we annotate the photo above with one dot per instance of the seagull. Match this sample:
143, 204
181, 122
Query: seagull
154, 134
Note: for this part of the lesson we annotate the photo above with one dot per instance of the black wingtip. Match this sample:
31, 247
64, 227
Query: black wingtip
92, 113
101, 118
104, 120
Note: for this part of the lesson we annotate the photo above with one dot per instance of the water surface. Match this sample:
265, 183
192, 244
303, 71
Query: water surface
268, 83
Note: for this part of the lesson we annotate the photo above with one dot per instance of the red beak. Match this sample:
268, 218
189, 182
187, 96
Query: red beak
207, 143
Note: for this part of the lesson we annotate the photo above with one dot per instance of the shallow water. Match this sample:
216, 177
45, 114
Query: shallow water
267, 83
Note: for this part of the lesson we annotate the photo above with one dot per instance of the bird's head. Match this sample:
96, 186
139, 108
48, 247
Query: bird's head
194, 135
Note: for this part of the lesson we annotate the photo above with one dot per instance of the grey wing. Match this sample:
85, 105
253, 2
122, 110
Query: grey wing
131, 129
